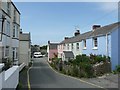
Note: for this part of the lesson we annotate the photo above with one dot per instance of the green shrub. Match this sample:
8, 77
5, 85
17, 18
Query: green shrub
118, 68
63, 71
74, 71
68, 72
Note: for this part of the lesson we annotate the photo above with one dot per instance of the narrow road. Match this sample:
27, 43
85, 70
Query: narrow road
42, 76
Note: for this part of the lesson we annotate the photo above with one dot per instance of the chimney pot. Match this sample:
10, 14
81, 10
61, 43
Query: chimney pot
48, 42
77, 33
96, 26
66, 38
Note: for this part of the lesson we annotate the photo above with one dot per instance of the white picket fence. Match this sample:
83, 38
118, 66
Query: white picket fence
10, 78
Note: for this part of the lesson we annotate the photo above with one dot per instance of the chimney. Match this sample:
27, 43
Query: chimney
66, 38
77, 33
48, 42
95, 27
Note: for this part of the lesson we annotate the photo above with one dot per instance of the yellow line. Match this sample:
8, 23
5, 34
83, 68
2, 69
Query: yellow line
77, 78
28, 80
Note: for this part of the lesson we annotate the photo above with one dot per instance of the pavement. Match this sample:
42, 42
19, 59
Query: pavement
23, 79
41, 75
106, 81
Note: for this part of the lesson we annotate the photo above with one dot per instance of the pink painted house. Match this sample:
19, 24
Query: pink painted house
52, 50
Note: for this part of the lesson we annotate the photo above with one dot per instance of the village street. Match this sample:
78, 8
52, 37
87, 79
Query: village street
42, 76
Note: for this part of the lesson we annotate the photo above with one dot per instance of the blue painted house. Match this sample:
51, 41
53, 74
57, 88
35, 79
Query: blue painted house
99, 41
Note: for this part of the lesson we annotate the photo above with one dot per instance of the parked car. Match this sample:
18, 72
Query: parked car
37, 55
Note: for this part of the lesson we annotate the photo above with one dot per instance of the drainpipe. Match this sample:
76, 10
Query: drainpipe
107, 45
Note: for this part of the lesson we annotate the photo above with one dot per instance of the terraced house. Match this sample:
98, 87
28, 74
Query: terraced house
99, 41
9, 31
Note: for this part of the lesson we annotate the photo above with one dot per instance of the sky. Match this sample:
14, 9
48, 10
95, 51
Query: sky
55, 20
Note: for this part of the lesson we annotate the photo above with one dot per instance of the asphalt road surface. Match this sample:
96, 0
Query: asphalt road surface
42, 76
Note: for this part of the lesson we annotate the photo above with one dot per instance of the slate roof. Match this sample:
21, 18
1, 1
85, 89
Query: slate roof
68, 54
53, 45
98, 32
24, 37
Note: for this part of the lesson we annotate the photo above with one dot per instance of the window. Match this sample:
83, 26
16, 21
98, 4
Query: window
84, 42
7, 51
15, 53
67, 46
8, 8
17, 30
77, 46
8, 28
63, 46
14, 17
95, 42
72, 46
13, 30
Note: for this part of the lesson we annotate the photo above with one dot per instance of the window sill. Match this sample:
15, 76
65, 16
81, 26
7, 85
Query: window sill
95, 48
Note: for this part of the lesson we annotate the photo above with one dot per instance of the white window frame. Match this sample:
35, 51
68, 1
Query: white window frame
72, 46
15, 50
8, 8
77, 46
63, 46
8, 28
95, 43
84, 44
67, 46
7, 51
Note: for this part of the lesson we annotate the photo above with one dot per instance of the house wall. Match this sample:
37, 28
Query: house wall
101, 49
51, 53
24, 51
75, 50
114, 44
8, 40
60, 50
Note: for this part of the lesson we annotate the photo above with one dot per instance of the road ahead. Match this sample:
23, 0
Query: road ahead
42, 76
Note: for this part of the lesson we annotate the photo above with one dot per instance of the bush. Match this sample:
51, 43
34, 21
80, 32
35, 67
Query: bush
8, 63
86, 70
118, 68
75, 71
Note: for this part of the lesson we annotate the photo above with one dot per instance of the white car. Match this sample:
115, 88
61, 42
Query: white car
37, 55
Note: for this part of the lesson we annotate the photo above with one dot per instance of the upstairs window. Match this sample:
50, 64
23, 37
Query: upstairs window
14, 17
67, 46
13, 30
72, 46
95, 42
77, 46
84, 43
17, 31
8, 8
63, 46
8, 28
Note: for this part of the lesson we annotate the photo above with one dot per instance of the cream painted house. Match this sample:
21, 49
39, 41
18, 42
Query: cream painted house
25, 48
9, 31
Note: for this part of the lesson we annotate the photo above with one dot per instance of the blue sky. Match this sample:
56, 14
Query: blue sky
53, 21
